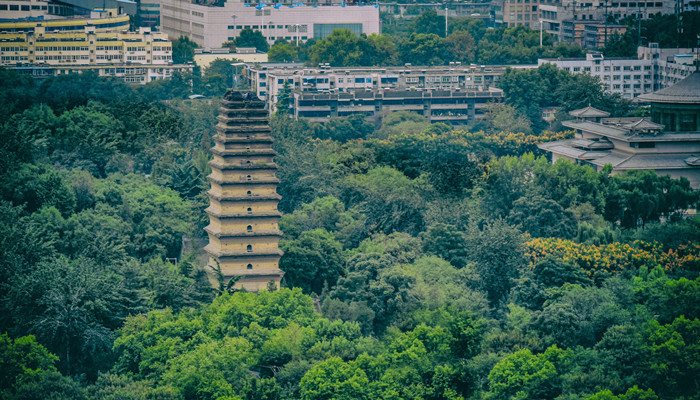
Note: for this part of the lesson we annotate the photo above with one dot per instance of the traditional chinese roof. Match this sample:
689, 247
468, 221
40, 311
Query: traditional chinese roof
685, 91
589, 112
644, 125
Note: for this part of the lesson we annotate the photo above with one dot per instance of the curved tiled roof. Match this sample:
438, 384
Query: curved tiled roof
685, 91
588, 112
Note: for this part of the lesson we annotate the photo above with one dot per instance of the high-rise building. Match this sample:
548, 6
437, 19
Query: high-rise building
243, 215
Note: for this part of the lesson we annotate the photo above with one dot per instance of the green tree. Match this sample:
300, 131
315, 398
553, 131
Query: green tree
335, 379
523, 375
673, 352
183, 50
312, 261
429, 22
422, 49
542, 218
283, 51
22, 359
250, 38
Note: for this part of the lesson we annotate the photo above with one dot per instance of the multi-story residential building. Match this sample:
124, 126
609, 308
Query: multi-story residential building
524, 12
210, 24
567, 20
268, 80
628, 76
455, 93
668, 142
456, 107
102, 21
137, 57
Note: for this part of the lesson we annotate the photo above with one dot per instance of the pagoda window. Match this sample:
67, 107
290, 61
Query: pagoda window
248, 177
250, 266
250, 210
249, 248
249, 228
250, 193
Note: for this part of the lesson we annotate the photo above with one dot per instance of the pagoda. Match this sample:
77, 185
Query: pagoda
243, 217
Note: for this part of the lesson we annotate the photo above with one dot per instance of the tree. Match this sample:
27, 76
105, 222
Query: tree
542, 218
430, 23
673, 352
497, 253
335, 379
460, 46
447, 242
22, 359
283, 51
422, 49
250, 38
183, 50
523, 375
312, 261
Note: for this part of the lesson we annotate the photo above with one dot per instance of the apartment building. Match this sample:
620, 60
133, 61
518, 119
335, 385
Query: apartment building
629, 77
457, 107
102, 21
211, 24
136, 57
455, 93
567, 20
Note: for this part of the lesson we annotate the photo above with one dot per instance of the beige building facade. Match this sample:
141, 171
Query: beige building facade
211, 26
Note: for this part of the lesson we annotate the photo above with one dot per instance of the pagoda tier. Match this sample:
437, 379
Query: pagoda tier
243, 217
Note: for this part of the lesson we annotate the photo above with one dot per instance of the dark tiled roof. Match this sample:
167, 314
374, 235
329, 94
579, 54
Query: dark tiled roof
589, 112
685, 91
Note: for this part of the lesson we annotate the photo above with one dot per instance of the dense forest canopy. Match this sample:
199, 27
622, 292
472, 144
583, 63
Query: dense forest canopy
446, 263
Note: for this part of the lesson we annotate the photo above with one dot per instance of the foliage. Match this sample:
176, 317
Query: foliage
250, 38
183, 50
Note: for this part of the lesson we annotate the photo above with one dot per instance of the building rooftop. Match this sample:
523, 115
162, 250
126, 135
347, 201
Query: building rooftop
622, 161
630, 135
685, 91
589, 112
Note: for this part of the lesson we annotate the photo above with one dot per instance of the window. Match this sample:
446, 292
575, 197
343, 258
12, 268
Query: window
249, 193
249, 228
249, 249
250, 266
249, 178
250, 210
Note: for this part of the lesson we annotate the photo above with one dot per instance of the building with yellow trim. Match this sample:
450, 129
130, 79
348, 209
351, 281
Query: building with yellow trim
102, 21
136, 57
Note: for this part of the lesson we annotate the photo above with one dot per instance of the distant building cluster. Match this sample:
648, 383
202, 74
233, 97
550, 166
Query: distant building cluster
455, 94
102, 42
212, 23
655, 68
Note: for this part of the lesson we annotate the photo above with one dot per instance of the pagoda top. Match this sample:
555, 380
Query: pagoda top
242, 99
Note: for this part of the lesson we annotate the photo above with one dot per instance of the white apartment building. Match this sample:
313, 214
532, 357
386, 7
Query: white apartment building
268, 80
629, 77
212, 25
